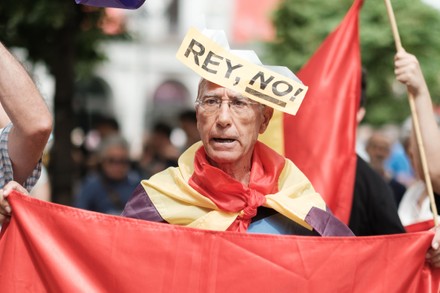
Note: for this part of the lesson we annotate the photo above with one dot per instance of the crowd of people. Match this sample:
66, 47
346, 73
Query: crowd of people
224, 178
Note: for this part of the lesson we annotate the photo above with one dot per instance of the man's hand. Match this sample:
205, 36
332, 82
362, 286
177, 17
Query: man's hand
433, 254
407, 70
5, 208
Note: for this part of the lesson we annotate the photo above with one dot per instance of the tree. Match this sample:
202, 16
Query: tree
65, 37
302, 25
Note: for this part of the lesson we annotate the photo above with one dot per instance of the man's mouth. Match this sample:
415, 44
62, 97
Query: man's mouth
223, 140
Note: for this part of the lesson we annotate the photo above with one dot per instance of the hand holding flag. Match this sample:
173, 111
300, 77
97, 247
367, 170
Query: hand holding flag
5, 208
433, 255
414, 114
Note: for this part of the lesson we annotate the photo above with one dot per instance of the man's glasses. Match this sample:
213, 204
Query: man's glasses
239, 106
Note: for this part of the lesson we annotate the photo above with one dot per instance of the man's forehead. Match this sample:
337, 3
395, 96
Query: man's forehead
212, 89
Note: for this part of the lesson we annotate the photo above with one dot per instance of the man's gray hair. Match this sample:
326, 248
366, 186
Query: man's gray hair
110, 141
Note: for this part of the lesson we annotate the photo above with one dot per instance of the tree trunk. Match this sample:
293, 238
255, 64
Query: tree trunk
61, 165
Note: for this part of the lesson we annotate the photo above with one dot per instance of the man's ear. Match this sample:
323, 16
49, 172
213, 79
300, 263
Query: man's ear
267, 115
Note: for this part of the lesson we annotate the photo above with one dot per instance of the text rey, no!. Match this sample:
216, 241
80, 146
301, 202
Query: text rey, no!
211, 63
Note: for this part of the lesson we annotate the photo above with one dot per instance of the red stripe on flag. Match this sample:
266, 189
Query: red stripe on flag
320, 139
53, 248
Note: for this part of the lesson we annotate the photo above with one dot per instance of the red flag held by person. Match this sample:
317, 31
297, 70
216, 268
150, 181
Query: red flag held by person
320, 139
53, 248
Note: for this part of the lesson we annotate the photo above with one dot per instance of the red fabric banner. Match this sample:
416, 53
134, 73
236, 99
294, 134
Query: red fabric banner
52, 248
321, 138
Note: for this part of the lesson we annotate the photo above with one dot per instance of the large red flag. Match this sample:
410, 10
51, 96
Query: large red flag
53, 248
320, 139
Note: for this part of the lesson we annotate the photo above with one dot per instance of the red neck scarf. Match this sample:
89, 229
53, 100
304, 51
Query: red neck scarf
230, 195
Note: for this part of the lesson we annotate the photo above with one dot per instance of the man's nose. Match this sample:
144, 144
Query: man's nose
224, 114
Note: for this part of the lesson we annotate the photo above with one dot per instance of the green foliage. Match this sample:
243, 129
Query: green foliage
302, 25
40, 25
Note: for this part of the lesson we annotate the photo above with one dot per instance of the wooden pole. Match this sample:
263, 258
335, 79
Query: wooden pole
415, 118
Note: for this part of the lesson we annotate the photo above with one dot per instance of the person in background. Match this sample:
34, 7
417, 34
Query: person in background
109, 188
378, 148
415, 205
159, 152
408, 71
188, 123
105, 126
101, 128
398, 162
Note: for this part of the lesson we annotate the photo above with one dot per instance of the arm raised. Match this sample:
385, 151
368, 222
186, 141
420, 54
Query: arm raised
28, 112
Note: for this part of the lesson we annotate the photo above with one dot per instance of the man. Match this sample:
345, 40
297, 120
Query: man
415, 204
378, 148
21, 142
231, 181
409, 72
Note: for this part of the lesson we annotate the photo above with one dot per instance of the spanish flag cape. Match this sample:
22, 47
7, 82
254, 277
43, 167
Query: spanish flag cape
177, 192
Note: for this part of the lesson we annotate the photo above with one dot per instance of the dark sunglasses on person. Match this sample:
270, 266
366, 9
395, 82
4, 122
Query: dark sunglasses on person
116, 161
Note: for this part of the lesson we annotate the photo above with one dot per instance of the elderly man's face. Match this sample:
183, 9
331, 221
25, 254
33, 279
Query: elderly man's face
229, 134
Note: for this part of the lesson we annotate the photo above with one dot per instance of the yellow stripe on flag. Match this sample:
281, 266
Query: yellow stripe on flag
274, 134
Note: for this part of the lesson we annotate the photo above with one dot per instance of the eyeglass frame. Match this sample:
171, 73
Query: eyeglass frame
219, 102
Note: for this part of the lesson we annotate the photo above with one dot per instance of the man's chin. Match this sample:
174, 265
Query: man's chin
222, 157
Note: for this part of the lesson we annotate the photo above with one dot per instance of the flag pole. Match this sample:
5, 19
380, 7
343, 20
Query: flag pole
415, 118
